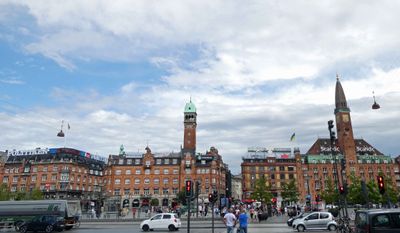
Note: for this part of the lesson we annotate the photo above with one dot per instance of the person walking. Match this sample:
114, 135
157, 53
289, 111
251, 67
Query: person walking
243, 221
230, 221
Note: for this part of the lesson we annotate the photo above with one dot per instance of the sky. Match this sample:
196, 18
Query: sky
120, 73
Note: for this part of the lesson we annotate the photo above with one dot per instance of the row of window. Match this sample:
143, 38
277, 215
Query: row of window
64, 177
53, 168
270, 168
52, 187
154, 191
272, 176
166, 161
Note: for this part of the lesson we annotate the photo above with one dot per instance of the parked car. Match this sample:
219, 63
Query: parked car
291, 220
315, 220
377, 221
46, 223
164, 221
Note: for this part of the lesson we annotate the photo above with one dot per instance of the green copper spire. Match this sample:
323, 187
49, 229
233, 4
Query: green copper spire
189, 107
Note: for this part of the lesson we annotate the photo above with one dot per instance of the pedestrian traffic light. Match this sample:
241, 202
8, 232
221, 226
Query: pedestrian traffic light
317, 198
211, 198
343, 163
341, 190
189, 188
381, 185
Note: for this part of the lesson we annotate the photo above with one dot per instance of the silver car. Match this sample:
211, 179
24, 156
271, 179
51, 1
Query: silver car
315, 220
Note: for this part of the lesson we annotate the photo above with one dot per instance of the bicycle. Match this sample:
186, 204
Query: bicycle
344, 225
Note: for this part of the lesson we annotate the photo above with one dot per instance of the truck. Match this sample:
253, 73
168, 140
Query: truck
12, 213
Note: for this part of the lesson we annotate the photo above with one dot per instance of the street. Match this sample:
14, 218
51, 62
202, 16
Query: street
196, 227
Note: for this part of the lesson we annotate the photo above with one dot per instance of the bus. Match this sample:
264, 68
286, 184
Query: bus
14, 212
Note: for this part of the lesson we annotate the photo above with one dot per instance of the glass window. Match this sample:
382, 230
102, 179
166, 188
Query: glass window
166, 216
323, 215
147, 181
127, 181
137, 181
175, 171
128, 172
157, 217
147, 171
381, 220
312, 216
117, 172
157, 171
137, 171
166, 171
174, 161
117, 181
156, 181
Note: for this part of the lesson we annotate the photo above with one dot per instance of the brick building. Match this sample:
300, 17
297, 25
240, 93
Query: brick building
360, 158
278, 166
133, 180
313, 170
61, 173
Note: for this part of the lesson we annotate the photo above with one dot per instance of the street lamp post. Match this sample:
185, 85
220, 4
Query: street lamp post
335, 174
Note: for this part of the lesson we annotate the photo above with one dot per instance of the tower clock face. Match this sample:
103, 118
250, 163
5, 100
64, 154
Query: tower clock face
345, 118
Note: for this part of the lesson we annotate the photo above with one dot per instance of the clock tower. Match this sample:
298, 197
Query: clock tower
343, 125
190, 124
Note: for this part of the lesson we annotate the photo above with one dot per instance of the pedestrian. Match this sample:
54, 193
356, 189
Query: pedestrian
252, 214
230, 221
243, 221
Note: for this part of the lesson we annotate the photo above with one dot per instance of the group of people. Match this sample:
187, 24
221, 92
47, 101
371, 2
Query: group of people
231, 219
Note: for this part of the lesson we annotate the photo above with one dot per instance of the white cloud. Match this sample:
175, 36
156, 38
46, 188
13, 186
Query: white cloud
257, 71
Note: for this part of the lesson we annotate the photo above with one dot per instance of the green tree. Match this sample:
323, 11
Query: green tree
154, 202
181, 196
330, 194
355, 193
261, 191
4, 193
20, 195
36, 194
289, 192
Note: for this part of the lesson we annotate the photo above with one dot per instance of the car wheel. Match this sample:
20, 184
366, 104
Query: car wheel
23, 229
49, 229
171, 228
145, 227
332, 227
300, 228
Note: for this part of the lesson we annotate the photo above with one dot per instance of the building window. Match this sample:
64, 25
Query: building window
136, 191
53, 177
127, 191
44, 177
207, 181
127, 181
165, 181
157, 171
117, 181
55, 168
175, 171
128, 172
129, 161
156, 181
175, 190
166, 171
290, 169
213, 180
117, 172
147, 172
33, 178
166, 161
203, 162
137, 172
147, 163
174, 161
146, 192
282, 176
45, 169
121, 161
117, 192
175, 181
5, 179
147, 181
291, 176
137, 181
188, 171
34, 169
137, 161
158, 161
165, 191
156, 191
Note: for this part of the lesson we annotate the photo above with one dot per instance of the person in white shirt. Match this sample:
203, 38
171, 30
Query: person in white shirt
230, 221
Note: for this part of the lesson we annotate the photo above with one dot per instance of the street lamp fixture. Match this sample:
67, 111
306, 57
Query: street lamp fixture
375, 105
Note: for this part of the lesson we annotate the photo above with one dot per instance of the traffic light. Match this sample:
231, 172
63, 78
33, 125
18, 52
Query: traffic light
381, 185
341, 190
211, 198
189, 188
317, 198
343, 164
215, 196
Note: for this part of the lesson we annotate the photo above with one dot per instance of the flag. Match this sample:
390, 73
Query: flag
69, 127
293, 137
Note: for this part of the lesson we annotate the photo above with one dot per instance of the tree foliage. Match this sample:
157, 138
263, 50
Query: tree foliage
289, 192
4, 193
154, 202
261, 191
330, 194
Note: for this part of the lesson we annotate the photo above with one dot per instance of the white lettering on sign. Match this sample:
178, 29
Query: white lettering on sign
37, 151
329, 149
365, 149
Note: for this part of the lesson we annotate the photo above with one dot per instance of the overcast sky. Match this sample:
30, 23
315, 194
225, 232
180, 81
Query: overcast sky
120, 72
